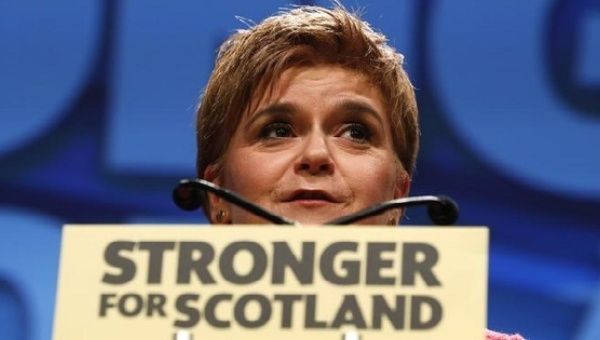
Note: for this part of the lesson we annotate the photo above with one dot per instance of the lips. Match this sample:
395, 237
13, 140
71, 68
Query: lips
306, 195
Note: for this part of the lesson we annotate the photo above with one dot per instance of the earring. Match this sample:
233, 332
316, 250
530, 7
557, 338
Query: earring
220, 216
393, 220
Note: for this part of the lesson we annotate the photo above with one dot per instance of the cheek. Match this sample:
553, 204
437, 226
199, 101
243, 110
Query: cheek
253, 174
373, 179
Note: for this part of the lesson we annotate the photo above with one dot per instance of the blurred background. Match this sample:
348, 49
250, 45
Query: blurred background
97, 102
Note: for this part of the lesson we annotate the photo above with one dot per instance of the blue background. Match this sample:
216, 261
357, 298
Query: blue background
97, 104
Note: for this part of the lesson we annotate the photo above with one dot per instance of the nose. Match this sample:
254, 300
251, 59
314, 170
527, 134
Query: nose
315, 158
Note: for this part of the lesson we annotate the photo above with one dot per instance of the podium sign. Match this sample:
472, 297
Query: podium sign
266, 282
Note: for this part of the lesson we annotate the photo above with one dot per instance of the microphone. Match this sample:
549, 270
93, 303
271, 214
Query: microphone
442, 210
189, 195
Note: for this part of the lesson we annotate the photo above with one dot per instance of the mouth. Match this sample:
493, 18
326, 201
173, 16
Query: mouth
310, 197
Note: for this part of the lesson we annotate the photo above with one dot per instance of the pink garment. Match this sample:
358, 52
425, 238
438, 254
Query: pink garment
490, 335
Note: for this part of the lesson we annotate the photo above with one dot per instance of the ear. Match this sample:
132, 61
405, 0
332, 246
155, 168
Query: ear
402, 185
401, 189
212, 174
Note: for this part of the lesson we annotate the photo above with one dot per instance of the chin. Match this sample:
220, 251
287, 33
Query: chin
309, 215
308, 219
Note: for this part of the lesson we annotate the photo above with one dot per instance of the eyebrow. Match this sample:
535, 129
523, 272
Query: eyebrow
275, 109
351, 106
358, 106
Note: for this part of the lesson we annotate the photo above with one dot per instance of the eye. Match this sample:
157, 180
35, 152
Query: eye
357, 132
277, 130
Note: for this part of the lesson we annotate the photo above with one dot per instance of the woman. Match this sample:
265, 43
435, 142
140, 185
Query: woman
319, 103
310, 115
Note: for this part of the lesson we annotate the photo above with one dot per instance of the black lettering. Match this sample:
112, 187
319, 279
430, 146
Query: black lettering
113, 258
302, 268
287, 302
395, 315
240, 311
156, 252
352, 268
156, 303
187, 264
411, 265
416, 312
259, 262
310, 316
349, 313
131, 304
105, 303
210, 313
375, 263
193, 315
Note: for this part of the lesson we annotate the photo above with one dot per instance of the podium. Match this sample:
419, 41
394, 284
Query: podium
193, 282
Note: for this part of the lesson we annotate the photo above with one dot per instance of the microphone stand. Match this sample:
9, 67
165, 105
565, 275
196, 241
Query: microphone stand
189, 195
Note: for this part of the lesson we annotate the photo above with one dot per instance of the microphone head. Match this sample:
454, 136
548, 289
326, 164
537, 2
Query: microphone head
187, 196
444, 211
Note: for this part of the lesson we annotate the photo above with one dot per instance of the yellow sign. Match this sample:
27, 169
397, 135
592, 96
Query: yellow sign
266, 282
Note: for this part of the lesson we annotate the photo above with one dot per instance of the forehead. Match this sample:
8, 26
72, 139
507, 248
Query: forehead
325, 81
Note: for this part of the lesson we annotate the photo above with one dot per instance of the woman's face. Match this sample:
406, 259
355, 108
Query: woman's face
317, 147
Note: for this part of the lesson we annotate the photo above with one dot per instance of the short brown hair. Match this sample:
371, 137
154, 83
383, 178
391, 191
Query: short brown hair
251, 59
